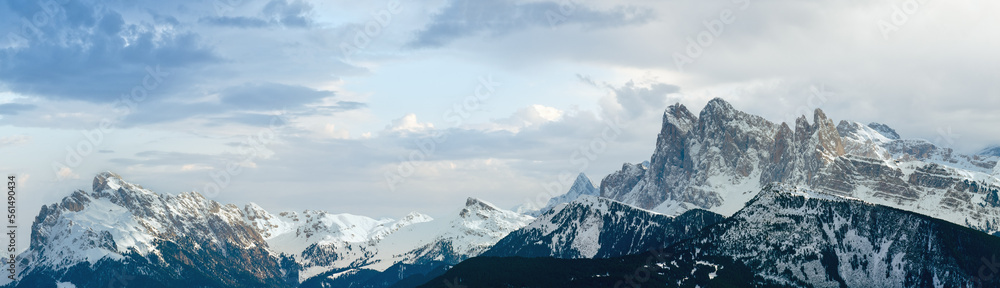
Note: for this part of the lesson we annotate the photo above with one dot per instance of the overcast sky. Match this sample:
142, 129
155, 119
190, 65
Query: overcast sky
323, 104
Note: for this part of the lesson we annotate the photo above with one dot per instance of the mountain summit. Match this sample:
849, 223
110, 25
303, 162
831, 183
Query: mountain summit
720, 159
183, 240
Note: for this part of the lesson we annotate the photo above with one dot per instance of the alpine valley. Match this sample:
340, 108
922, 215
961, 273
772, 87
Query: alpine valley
728, 199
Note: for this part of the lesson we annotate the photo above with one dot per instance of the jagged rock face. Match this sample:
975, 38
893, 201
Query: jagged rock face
619, 183
670, 158
594, 227
124, 222
726, 142
801, 238
722, 156
721, 159
818, 144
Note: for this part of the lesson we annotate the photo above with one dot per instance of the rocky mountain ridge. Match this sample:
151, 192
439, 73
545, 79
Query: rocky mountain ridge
786, 236
719, 159
161, 240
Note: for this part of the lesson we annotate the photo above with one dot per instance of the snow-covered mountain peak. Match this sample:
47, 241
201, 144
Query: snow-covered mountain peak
859, 132
581, 186
717, 106
267, 224
885, 130
415, 217
862, 140
119, 219
108, 183
679, 117
254, 211
477, 212
458, 236
107, 180
476, 204
582, 183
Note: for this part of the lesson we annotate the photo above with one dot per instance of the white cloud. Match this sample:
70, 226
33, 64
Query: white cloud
331, 131
195, 167
14, 140
407, 123
67, 173
23, 180
530, 116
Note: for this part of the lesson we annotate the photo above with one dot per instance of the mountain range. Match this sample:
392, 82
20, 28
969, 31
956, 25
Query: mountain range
785, 237
726, 199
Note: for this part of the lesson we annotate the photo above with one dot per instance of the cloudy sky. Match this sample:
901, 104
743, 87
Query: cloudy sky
380, 108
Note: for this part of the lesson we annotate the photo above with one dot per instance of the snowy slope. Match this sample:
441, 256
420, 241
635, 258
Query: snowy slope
321, 241
592, 227
996, 171
466, 233
990, 151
